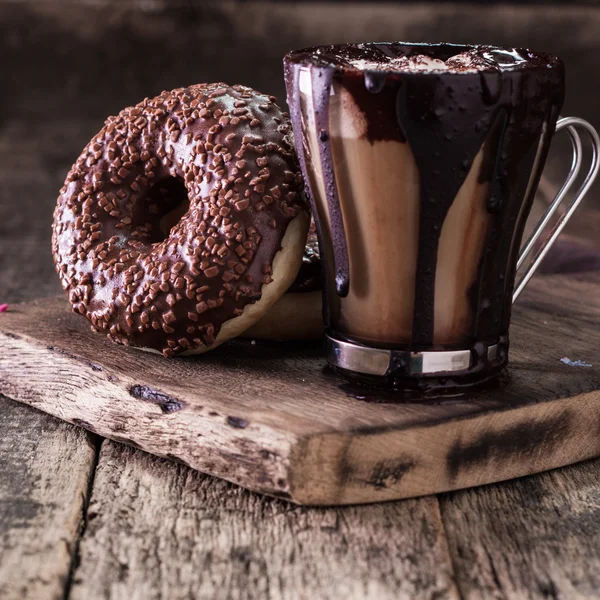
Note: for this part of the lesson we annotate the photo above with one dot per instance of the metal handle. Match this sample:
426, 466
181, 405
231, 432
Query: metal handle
570, 124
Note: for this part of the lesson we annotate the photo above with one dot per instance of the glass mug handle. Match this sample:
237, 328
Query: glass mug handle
570, 124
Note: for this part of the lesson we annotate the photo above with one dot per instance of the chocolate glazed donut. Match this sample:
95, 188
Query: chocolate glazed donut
151, 271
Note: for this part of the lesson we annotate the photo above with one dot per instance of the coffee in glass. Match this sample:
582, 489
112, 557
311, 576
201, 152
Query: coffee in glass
421, 162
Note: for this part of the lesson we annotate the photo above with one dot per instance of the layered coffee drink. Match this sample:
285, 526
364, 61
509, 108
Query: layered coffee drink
421, 161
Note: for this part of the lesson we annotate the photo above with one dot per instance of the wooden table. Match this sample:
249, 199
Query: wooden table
82, 517
86, 518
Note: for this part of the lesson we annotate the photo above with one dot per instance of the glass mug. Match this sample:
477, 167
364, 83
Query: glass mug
421, 163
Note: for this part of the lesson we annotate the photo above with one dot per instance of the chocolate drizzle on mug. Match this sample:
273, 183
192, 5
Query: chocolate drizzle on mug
504, 101
321, 86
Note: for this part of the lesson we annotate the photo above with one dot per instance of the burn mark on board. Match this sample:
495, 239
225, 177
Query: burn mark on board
381, 475
166, 403
521, 441
388, 473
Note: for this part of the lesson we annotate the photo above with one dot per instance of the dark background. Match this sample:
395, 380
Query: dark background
65, 66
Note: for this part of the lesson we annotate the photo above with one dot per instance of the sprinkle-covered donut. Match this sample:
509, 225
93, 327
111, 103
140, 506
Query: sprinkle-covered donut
183, 220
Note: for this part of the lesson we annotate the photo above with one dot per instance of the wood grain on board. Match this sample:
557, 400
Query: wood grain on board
270, 417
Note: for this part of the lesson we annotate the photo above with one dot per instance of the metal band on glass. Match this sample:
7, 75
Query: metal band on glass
378, 361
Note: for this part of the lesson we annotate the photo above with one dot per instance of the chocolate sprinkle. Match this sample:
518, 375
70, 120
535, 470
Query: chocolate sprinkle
171, 286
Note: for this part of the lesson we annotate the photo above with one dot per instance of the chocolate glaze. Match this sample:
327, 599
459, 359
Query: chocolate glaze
229, 150
504, 97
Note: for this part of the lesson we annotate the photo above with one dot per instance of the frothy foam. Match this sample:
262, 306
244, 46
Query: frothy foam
471, 62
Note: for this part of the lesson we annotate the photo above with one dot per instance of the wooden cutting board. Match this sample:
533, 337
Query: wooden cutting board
270, 417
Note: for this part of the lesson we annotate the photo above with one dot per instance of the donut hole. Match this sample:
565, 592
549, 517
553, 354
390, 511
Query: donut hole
168, 203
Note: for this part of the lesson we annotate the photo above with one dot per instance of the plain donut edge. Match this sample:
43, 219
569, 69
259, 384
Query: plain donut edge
296, 316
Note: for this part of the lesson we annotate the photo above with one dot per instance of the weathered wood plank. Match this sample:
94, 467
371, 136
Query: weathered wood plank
45, 470
538, 537
157, 530
268, 417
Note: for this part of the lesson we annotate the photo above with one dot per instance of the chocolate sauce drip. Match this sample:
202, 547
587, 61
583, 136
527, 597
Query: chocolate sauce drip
376, 94
445, 126
488, 277
321, 88
491, 163
522, 136
374, 82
